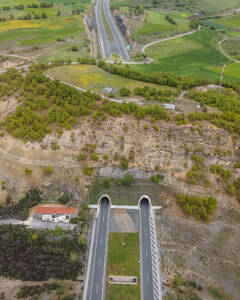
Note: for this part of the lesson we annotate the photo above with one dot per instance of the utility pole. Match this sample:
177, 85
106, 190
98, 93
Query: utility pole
221, 79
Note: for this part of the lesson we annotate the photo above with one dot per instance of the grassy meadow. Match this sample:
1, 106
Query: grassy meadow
94, 78
123, 260
192, 55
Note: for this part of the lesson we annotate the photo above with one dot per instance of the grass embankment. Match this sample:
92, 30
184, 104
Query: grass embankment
123, 260
193, 55
94, 78
127, 195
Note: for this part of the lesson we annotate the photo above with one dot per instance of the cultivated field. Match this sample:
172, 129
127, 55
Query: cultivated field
193, 55
43, 33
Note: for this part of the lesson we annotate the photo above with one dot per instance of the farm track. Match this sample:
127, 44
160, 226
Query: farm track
169, 38
223, 51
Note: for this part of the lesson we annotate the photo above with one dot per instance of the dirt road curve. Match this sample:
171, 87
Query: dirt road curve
170, 38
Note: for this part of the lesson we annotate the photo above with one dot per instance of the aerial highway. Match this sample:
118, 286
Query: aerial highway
97, 272
150, 286
109, 47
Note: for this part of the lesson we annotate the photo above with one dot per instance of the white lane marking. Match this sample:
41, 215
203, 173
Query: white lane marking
101, 239
97, 288
147, 278
99, 262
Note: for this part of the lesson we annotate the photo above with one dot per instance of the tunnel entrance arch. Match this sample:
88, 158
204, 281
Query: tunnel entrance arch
144, 199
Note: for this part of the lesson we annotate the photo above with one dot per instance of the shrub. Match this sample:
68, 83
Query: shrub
48, 170
65, 198
75, 49
94, 156
124, 92
28, 172
73, 221
55, 146
87, 171
127, 179
231, 189
124, 163
237, 165
82, 156
106, 183
157, 178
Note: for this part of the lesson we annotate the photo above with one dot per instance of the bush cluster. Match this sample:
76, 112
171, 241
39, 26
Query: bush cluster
225, 100
150, 93
200, 208
21, 209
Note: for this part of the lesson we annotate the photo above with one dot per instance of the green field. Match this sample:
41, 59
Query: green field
190, 6
157, 24
93, 78
123, 260
44, 38
192, 55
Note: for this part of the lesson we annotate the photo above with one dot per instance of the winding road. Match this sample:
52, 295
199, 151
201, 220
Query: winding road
223, 51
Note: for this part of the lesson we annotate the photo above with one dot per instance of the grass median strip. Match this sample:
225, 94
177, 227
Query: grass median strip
123, 260
106, 25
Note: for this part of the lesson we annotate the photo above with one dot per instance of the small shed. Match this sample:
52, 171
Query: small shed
169, 106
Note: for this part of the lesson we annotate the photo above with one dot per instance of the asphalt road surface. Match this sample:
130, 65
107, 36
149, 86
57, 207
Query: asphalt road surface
118, 45
104, 43
108, 47
96, 283
146, 254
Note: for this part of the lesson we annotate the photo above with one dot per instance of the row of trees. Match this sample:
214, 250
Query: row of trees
162, 78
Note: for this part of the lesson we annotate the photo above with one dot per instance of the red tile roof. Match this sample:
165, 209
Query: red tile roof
55, 210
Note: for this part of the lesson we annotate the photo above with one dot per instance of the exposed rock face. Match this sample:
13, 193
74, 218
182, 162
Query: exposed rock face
121, 23
167, 148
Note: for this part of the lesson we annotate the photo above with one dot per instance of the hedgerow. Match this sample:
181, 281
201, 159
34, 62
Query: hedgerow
161, 78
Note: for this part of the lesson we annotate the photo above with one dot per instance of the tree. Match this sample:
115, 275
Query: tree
124, 92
